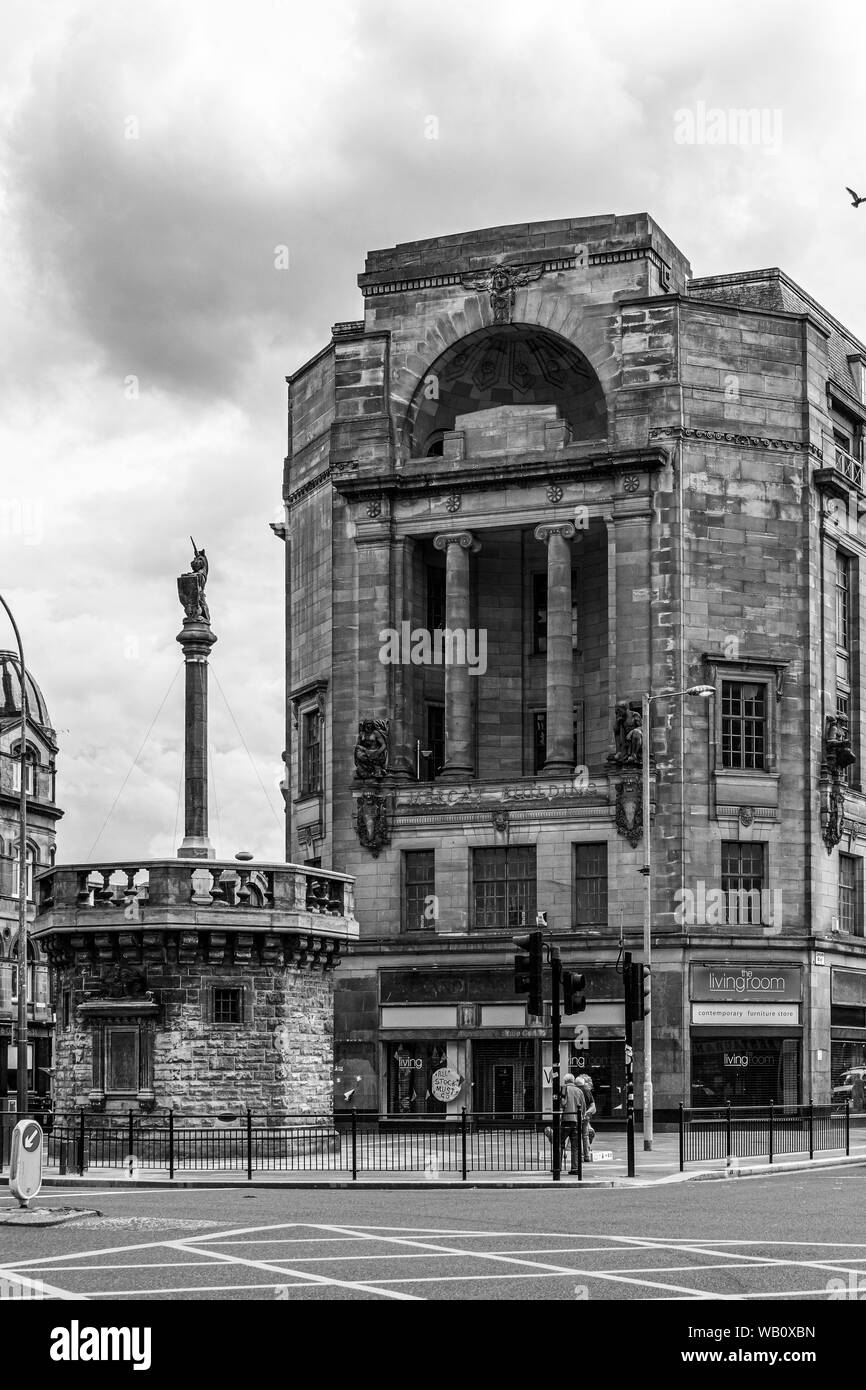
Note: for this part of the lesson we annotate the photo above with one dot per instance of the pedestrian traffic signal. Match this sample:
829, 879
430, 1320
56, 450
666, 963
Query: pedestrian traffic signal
573, 986
529, 971
637, 982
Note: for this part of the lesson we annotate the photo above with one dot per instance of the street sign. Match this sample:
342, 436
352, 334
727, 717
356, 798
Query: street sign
25, 1164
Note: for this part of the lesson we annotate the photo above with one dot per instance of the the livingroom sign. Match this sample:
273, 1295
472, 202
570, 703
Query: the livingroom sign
745, 982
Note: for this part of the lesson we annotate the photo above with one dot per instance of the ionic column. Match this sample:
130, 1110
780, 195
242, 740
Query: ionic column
459, 743
560, 658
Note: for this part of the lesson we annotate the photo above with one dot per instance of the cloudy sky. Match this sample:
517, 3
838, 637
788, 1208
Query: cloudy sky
155, 155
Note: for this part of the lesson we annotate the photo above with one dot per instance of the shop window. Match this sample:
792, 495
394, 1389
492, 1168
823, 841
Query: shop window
419, 890
742, 881
411, 1066
227, 1006
745, 1071
590, 886
539, 612
356, 1084
850, 895
311, 772
539, 739
744, 725
848, 1073
504, 887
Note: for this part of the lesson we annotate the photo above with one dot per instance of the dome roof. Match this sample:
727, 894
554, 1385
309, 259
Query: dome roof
10, 692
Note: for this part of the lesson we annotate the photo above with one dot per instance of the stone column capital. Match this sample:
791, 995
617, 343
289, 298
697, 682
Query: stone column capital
566, 529
464, 539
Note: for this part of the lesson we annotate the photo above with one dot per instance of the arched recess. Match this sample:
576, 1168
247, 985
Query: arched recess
505, 364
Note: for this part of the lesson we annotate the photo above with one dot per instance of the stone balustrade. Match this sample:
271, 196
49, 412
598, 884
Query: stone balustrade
289, 896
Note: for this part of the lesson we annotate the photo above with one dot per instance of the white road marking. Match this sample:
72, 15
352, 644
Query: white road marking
560, 1269
295, 1273
40, 1287
696, 1249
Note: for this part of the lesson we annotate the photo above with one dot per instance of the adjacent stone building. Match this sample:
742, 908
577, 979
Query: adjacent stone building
43, 814
604, 477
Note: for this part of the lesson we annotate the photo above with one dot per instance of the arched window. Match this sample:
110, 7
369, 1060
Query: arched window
32, 860
31, 762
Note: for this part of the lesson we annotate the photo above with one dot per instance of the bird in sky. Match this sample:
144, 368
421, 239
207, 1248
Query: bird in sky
855, 200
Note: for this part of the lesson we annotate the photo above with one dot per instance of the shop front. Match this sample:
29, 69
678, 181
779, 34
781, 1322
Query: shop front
746, 1034
848, 1037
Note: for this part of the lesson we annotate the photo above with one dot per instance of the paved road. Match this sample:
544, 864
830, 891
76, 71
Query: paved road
798, 1236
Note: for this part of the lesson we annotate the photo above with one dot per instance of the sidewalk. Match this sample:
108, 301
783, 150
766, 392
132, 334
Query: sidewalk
661, 1165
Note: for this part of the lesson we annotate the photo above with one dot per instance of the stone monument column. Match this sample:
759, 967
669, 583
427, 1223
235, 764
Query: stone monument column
196, 640
560, 657
459, 741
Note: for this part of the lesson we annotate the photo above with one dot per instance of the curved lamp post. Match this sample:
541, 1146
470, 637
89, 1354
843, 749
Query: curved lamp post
702, 692
21, 1074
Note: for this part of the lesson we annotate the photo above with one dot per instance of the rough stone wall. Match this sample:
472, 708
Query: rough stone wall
278, 1061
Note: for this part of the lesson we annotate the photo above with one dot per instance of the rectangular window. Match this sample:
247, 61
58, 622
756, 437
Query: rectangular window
419, 890
539, 612
432, 752
539, 738
311, 725
504, 887
843, 601
590, 875
742, 881
66, 1008
850, 914
227, 1006
744, 724
435, 598
121, 1061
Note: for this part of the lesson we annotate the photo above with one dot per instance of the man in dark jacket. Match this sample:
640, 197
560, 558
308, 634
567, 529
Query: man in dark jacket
573, 1110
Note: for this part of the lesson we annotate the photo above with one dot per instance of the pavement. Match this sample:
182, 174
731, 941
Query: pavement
659, 1165
800, 1236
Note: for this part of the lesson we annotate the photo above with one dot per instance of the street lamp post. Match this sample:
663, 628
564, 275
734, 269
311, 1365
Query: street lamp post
703, 692
21, 1073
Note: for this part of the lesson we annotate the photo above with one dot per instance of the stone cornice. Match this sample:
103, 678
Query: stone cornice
319, 480
524, 470
377, 284
747, 441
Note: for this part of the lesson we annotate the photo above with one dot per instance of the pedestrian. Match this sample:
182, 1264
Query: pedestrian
857, 1090
573, 1108
584, 1082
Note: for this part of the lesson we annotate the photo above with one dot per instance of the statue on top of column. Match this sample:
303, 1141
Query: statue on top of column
191, 586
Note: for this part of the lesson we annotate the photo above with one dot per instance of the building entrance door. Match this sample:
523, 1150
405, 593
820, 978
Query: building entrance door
503, 1089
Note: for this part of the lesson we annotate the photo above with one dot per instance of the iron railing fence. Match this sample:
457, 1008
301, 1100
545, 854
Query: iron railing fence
346, 1142
762, 1131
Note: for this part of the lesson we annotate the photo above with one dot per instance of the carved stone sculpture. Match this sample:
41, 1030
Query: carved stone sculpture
191, 586
371, 749
629, 810
372, 823
627, 734
500, 282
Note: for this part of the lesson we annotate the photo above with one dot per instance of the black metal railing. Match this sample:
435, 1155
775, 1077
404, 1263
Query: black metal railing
762, 1131
347, 1142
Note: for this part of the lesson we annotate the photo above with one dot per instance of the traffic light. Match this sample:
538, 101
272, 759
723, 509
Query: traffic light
573, 1001
529, 971
637, 980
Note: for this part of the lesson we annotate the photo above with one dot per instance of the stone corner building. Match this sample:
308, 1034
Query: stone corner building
43, 814
611, 478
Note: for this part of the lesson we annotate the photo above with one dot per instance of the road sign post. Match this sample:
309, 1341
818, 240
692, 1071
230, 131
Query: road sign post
25, 1164
628, 978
